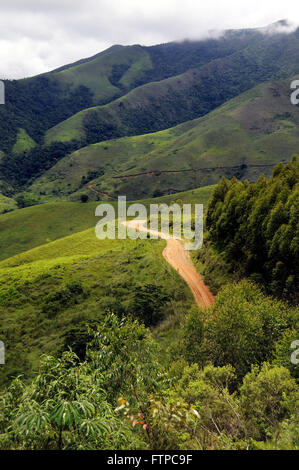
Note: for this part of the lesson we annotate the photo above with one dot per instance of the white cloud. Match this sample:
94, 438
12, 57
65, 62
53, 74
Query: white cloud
39, 35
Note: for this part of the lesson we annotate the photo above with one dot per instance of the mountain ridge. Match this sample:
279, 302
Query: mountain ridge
133, 90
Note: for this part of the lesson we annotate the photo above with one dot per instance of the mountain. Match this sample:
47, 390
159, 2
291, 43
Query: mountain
136, 90
194, 93
87, 324
244, 137
39, 103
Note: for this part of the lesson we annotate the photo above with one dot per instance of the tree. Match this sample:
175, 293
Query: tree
84, 198
268, 396
147, 303
256, 227
243, 326
63, 408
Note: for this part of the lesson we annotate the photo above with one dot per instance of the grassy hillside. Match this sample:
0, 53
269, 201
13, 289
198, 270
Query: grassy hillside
48, 291
28, 228
242, 138
6, 203
23, 143
58, 286
108, 74
38, 103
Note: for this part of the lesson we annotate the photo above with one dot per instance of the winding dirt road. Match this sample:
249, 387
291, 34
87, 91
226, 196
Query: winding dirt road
176, 255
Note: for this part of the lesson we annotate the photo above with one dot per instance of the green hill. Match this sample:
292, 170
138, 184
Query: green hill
47, 292
108, 74
159, 105
38, 103
24, 229
6, 203
244, 137
68, 277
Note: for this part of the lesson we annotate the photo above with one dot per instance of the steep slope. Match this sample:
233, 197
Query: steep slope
245, 137
159, 105
108, 74
38, 103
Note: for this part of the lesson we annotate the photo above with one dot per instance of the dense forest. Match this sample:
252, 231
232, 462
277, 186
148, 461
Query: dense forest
254, 227
21, 169
37, 104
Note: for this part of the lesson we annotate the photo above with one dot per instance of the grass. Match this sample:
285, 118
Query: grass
49, 248
6, 204
96, 72
116, 113
24, 142
27, 228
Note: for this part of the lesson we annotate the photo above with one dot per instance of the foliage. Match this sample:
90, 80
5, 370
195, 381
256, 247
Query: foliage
268, 396
63, 408
256, 225
148, 302
241, 329
72, 404
19, 169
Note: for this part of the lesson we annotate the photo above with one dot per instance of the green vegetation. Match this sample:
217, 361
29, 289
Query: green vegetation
6, 204
104, 345
23, 143
121, 397
47, 291
108, 74
255, 227
219, 378
197, 90
126, 91
243, 328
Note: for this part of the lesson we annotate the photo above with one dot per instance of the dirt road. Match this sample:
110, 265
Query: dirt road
99, 192
176, 255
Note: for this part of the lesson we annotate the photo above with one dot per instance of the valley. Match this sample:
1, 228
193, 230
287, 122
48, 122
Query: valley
139, 344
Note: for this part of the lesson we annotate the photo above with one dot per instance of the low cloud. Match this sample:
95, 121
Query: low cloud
39, 35
280, 27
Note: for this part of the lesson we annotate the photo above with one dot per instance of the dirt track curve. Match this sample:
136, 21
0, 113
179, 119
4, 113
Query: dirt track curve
176, 255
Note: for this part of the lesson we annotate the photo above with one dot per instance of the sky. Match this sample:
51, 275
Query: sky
39, 35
